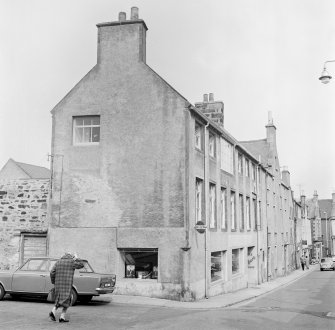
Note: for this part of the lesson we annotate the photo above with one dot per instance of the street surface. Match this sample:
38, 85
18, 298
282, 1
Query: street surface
307, 303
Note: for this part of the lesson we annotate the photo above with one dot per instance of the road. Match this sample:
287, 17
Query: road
307, 303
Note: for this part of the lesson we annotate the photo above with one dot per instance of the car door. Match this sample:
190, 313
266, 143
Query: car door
85, 280
31, 277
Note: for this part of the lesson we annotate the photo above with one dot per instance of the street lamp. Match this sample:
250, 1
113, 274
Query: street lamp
325, 76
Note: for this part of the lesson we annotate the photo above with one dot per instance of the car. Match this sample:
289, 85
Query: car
32, 279
313, 261
327, 263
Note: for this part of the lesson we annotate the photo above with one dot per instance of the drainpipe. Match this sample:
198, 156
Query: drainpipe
206, 209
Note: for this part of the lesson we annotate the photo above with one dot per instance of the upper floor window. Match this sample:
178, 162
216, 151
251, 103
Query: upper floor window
198, 199
227, 160
240, 164
211, 145
223, 202
247, 168
198, 136
248, 213
212, 206
86, 130
253, 171
241, 204
232, 210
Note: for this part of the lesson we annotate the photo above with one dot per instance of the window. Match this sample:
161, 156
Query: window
254, 206
227, 159
248, 213
241, 204
218, 265
211, 145
232, 210
86, 130
40, 265
198, 136
212, 206
247, 168
140, 263
198, 199
253, 172
240, 164
260, 215
235, 261
223, 208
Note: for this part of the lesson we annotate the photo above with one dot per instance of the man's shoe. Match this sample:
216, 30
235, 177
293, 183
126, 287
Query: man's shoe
63, 320
52, 316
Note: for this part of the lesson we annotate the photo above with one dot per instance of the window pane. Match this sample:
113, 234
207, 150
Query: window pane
216, 266
96, 120
79, 121
95, 134
78, 135
87, 121
235, 262
87, 134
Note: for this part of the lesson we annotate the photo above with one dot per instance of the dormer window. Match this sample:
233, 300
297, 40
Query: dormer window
86, 130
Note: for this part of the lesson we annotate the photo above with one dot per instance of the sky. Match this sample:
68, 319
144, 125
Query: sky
257, 56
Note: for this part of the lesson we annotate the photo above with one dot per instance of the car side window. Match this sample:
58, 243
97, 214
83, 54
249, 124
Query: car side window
35, 265
52, 263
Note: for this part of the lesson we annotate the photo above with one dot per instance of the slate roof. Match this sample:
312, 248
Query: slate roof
33, 171
257, 148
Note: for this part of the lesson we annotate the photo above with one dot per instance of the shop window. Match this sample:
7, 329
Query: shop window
218, 262
140, 263
236, 261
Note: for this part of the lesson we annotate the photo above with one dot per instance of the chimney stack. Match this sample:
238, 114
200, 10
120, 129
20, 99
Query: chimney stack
212, 109
122, 16
271, 131
134, 13
286, 176
122, 42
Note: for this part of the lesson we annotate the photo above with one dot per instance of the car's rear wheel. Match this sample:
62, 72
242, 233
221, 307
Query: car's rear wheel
74, 297
85, 299
2, 292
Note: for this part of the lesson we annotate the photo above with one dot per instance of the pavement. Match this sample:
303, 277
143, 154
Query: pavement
220, 301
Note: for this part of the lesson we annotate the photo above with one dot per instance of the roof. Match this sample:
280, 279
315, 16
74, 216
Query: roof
35, 172
259, 148
13, 169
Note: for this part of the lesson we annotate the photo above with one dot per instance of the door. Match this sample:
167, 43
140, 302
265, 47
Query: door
31, 277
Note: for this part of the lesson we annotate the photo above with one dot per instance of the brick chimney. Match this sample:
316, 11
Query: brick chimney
285, 174
122, 42
212, 109
270, 130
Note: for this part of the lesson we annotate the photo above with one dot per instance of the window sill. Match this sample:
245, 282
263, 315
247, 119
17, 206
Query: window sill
85, 144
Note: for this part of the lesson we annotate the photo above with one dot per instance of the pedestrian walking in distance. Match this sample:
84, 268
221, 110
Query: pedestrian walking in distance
61, 276
303, 262
307, 262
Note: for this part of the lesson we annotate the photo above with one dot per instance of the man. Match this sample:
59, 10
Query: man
62, 277
303, 262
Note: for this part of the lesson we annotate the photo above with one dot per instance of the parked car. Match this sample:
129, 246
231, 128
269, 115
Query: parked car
33, 279
327, 263
313, 261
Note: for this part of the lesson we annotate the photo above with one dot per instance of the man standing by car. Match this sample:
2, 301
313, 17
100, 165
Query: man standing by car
62, 277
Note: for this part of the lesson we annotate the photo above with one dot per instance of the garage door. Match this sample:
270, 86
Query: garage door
34, 246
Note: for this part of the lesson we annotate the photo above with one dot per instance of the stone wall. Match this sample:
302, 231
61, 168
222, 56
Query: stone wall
23, 208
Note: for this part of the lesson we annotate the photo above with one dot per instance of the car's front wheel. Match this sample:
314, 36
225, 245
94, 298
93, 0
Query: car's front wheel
2, 292
74, 297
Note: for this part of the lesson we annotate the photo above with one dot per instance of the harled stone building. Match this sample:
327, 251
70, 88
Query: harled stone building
136, 167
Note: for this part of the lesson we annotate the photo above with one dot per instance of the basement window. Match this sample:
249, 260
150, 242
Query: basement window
140, 263
86, 130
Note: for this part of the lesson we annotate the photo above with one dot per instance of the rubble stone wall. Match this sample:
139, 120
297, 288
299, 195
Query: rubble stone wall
23, 208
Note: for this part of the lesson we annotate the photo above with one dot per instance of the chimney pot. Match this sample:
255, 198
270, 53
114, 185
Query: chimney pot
122, 16
134, 13
206, 98
211, 97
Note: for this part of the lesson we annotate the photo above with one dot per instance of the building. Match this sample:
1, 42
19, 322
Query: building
314, 215
138, 172
24, 191
327, 214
